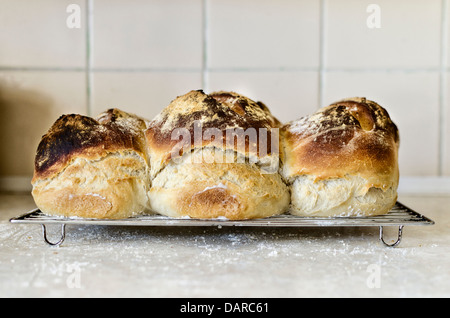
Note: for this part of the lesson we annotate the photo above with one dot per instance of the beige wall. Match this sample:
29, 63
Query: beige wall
294, 55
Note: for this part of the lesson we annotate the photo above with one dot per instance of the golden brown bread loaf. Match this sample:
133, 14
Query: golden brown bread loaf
342, 160
217, 155
93, 168
201, 170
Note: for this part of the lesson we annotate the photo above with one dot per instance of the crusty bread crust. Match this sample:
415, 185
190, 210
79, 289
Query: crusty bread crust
351, 138
93, 168
235, 191
113, 187
222, 111
202, 185
340, 161
81, 136
354, 136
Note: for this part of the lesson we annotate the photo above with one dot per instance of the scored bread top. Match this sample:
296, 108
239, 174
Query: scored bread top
222, 111
81, 136
354, 136
256, 114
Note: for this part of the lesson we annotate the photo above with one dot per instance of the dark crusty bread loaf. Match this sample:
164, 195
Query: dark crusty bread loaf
93, 168
342, 160
197, 171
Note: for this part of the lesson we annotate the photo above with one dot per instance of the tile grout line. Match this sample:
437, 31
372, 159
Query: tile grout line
240, 69
321, 53
442, 85
263, 69
89, 50
40, 69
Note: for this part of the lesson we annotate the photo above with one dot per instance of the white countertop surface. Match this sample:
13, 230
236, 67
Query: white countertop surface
100, 261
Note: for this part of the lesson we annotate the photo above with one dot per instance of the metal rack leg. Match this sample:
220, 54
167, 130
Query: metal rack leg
399, 238
63, 235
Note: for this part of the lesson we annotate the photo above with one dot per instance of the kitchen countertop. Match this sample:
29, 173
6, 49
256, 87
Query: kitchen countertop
99, 261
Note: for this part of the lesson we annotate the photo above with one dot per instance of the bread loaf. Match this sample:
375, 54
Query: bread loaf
93, 168
212, 156
342, 160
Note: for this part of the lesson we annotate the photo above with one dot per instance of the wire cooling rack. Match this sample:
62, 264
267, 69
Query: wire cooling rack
399, 216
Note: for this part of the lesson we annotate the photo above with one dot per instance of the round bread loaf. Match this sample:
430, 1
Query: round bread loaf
342, 160
215, 156
93, 168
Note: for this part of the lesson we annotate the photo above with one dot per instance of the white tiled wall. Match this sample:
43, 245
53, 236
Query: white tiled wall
157, 34
415, 111
29, 102
409, 36
288, 94
34, 34
143, 93
263, 34
294, 55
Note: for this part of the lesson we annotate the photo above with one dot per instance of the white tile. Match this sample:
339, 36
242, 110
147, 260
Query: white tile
446, 107
447, 21
30, 102
446, 129
411, 99
263, 33
289, 95
409, 36
35, 33
148, 34
142, 93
